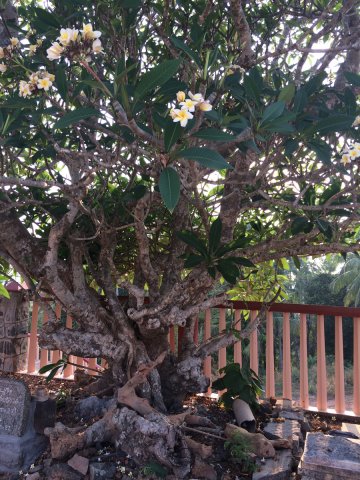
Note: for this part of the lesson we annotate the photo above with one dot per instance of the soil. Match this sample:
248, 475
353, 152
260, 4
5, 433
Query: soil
68, 392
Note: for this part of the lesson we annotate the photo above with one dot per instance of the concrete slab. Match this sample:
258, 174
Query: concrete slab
289, 429
352, 428
278, 468
330, 458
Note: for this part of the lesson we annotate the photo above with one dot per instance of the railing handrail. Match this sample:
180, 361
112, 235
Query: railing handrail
351, 312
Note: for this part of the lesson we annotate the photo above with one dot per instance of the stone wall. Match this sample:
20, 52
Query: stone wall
14, 315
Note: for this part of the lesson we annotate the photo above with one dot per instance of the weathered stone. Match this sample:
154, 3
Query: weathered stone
14, 406
102, 471
18, 453
203, 470
91, 407
33, 476
13, 332
61, 471
289, 429
79, 463
292, 415
331, 458
351, 428
64, 441
278, 468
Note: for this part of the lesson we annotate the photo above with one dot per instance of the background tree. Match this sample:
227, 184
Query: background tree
106, 181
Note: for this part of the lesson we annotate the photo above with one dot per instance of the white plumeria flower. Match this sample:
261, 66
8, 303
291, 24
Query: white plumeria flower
44, 84
55, 51
34, 77
24, 89
197, 97
2, 54
48, 75
353, 154
3, 67
180, 96
172, 113
356, 121
32, 49
96, 46
205, 106
88, 33
182, 116
189, 104
68, 35
345, 159
14, 41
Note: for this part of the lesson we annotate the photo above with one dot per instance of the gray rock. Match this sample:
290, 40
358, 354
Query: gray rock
330, 458
102, 471
289, 429
61, 471
91, 407
79, 463
292, 415
278, 468
18, 453
14, 406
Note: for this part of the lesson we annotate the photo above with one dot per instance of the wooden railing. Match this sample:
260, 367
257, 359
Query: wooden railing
220, 318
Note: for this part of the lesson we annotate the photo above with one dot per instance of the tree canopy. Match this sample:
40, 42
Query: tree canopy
162, 146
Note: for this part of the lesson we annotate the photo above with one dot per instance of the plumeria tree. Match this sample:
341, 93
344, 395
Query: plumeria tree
162, 147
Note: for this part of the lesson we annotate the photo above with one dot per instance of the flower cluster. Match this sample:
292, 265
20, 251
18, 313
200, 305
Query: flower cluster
40, 80
352, 153
188, 106
73, 43
7, 52
356, 122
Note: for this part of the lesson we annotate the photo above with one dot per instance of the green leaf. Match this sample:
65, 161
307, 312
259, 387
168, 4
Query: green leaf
47, 17
195, 242
322, 150
169, 186
325, 228
130, 3
75, 116
215, 235
157, 76
193, 260
296, 261
181, 45
206, 157
273, 111
214, 135
353, 78
3, 291
50, 366
18, 102
287, 93
300, 224
172, 134
61, 82
335, 123
245, 262
228, 270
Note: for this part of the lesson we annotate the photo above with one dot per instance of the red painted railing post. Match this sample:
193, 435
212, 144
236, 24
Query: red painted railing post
356, 380
207, 335
69, 369
237, 346
254, 355
222, 328
321, 365
56, 354
287, 390
270, 369
339, 367
304, 379
33, 342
